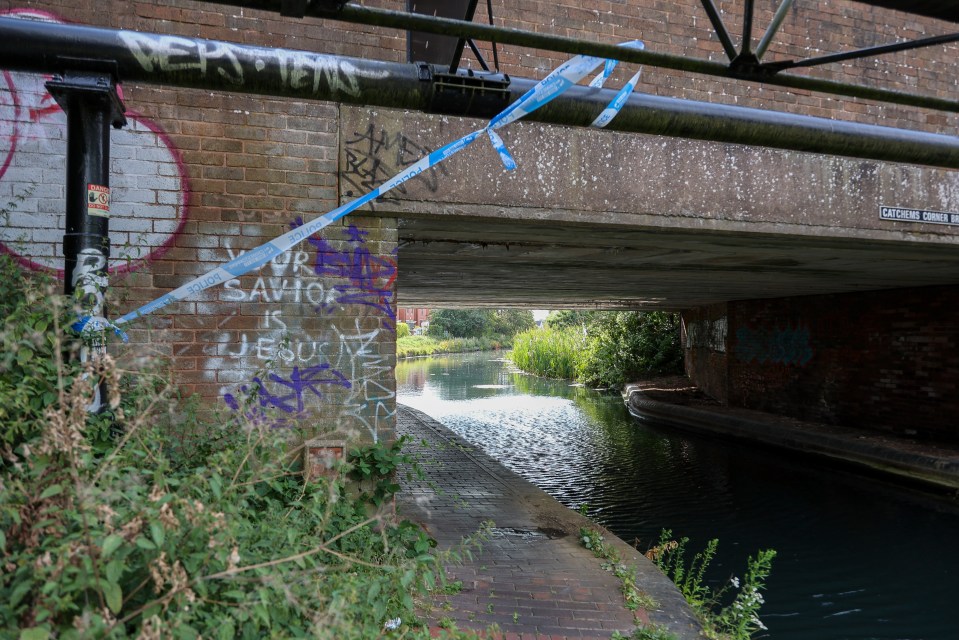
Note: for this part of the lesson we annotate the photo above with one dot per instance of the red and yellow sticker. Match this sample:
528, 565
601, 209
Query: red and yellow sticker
98, 200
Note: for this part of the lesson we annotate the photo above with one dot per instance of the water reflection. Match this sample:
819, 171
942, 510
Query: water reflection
857, 559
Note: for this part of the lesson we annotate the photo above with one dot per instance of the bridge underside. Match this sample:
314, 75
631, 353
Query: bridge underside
456, 262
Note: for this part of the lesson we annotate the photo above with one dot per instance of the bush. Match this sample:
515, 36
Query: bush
479, 323
144, 535
457, 323
402, 330
618, 347
624, 346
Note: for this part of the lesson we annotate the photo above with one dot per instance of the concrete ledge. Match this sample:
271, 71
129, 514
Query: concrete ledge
928, 464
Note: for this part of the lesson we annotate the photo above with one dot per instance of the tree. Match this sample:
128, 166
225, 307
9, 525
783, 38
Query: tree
509, 322
624, 346
458, 323
568, 318
475, 323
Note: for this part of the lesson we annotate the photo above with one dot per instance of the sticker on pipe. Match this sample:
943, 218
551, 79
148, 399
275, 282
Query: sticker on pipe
98, 201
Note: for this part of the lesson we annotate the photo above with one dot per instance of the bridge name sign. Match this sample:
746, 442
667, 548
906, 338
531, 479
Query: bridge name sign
901, 214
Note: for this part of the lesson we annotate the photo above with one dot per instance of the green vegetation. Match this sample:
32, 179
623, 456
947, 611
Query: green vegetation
147, 522
413, 346
633, 598
554, 353
646, 632
739, 619
462, 330
477, 323
607, 348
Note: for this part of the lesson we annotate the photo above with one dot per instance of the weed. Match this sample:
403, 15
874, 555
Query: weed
157, 534
633, 598
737, 621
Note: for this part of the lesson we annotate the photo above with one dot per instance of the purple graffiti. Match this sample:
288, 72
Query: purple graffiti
289, 395
370, 278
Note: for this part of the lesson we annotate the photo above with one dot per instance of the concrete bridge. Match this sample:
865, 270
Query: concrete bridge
818, 286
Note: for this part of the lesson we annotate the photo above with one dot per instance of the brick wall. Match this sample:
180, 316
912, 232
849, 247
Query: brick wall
882, 360
198, 178
704, 337
201, 176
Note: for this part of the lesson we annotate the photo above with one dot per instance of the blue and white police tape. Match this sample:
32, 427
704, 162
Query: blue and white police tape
97, 325
562, 78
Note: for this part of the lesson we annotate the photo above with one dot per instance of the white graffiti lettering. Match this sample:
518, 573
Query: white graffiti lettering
298, 70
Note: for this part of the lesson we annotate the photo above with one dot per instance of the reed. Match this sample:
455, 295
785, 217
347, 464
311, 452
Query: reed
553, 353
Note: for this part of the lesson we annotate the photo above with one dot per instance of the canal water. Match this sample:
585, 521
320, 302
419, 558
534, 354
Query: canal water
857, 558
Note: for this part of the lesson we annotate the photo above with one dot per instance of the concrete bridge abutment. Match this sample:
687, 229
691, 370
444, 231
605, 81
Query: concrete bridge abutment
883, 361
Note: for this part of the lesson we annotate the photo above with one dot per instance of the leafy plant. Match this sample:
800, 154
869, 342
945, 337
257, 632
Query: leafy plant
607, 348
633, 598
736, 621
374, 467
155, 534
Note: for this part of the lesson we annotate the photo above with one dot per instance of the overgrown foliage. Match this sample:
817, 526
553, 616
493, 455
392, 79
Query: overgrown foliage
479, 323
730, 612
554, 353
633, 598
608, 348
142, 534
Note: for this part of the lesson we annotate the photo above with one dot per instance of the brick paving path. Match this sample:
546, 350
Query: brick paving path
532, 577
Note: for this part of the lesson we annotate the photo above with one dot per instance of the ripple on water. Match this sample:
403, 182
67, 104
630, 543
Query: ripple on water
856, 559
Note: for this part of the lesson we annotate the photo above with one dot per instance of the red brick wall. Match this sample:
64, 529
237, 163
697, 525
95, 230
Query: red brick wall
884, 360
704, 336
199, 176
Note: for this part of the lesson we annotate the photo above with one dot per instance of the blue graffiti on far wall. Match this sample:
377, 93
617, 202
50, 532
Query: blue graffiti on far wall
788, 346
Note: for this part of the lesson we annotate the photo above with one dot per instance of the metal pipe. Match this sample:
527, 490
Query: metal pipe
773, 28
90, 102
208, 64
720, 28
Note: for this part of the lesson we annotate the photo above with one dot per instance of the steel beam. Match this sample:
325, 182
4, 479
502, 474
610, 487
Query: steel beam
746, 72
720, 28
213, 65
773, 28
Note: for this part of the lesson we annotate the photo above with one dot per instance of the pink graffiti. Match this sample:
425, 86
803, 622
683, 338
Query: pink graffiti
149, 184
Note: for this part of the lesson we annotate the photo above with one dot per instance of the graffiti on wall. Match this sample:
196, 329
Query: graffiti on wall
367, 280
334, 275
372, 157
287, 393
300, 369
148, 180
237, 64
787, 346
707, 334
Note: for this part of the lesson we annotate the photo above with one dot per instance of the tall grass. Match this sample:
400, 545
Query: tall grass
553, 353
414, 346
